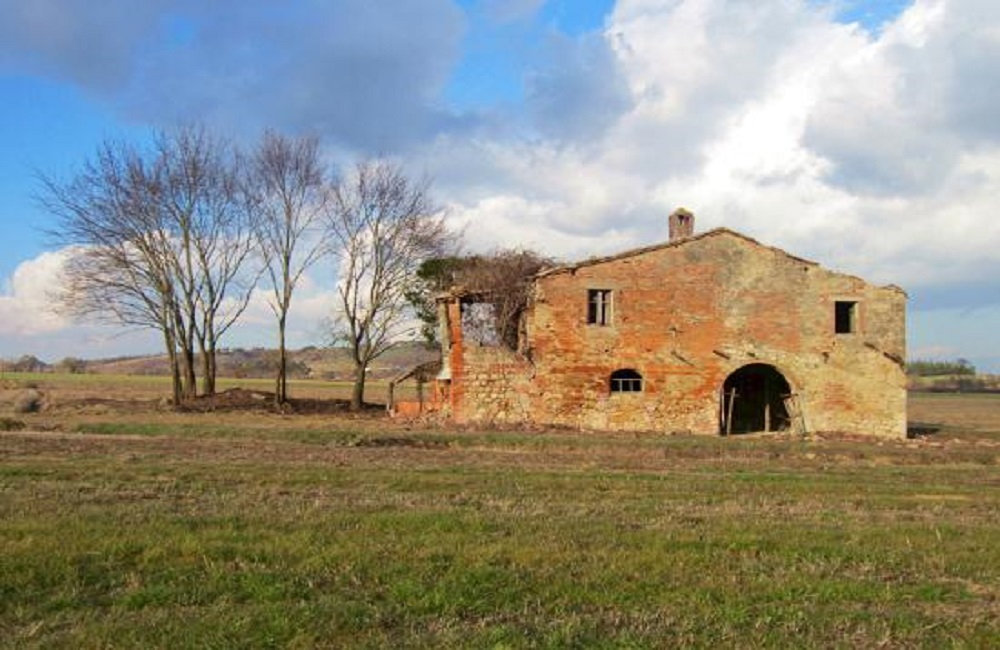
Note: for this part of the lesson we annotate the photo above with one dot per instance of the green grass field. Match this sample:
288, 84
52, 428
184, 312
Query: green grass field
232, 530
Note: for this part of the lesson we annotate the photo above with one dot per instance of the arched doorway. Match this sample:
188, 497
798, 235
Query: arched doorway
753, 399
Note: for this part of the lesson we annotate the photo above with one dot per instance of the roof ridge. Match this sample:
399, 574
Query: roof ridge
722, 230
641, 250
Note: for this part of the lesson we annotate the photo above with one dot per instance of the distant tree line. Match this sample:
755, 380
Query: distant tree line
175, 236
923, 368
261, 363
950, 376
235, 362
26, 363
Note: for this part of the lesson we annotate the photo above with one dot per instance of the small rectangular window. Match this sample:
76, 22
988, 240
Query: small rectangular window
626, 380
598, 306
845, 317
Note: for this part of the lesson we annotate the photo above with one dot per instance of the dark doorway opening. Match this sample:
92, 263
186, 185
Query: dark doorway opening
754, 399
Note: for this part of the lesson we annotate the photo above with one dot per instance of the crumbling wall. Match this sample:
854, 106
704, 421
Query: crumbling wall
489, 383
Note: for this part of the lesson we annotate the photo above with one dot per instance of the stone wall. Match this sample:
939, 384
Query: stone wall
489, 383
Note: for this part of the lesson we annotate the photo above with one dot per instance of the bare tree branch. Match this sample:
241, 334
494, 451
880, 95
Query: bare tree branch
160, 240
382, 227
289, 193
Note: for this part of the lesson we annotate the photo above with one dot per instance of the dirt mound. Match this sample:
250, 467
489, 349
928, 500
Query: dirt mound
234, 399
242, 399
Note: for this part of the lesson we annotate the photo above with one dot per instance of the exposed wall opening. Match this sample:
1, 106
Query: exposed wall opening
845, 317
754, 398
599, 306
479, 323
626, 380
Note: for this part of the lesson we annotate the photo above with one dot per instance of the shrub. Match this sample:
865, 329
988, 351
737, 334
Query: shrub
28, 401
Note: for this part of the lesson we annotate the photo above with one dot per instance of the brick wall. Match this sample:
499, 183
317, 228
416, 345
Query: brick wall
488, 383
686, 316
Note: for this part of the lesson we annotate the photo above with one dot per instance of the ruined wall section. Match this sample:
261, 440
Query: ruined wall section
856, 381
488, 383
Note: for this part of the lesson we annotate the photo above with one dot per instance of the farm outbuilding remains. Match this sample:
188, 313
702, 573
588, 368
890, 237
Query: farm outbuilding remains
710, 333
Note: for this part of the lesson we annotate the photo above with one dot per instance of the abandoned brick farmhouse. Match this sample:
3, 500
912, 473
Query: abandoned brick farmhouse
711, 333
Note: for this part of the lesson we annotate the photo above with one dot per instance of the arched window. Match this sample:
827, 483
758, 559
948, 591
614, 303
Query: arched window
626, 380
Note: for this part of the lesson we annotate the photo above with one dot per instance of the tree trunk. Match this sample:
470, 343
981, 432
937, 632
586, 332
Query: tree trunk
187, 369
213, 371
358, 394
206, 350
183, 339
175, 371
281, 385
207, 374
209, 367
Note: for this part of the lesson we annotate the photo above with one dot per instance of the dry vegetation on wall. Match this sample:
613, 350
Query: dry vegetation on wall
130, 526
499, 283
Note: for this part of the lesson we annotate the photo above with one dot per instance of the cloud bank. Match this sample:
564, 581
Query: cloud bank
31, 324
872, 149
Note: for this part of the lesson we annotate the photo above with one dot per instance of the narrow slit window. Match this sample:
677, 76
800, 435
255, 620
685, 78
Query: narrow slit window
598, 306
845, 317
626, 380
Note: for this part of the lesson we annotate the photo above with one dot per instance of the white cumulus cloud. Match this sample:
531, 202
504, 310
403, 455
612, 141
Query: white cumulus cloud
27, 306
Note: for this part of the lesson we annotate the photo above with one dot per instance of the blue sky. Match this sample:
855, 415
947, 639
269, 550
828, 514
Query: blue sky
860, 134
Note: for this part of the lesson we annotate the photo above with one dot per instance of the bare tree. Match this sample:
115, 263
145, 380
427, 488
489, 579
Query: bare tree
209, 226
118, 271
290, 192
159, 240
382, 226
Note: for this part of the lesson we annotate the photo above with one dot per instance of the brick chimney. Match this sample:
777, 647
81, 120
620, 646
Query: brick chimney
681, 224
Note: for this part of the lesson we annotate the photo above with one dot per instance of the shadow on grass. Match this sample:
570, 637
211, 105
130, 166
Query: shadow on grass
921, 429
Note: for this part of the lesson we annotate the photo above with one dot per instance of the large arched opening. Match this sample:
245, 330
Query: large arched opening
754, 399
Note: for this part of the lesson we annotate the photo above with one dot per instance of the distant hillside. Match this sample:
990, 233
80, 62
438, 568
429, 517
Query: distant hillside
309, 362
335, 363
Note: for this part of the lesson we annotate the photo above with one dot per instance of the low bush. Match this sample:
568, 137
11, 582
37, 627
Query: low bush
28, 401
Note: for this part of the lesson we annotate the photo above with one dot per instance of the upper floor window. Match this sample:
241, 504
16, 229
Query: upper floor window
845, 316
599, 306
626, 380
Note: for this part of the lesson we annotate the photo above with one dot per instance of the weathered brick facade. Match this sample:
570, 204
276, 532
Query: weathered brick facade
711, 334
